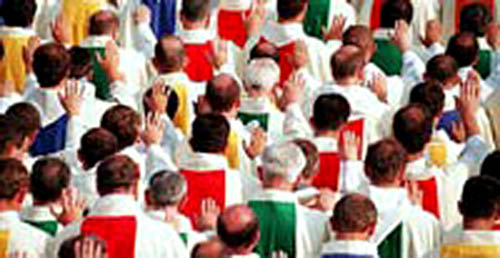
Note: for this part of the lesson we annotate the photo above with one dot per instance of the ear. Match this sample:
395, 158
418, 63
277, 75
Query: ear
134, 189
20, 195
312, 123
148, 198
238, 104
371, 229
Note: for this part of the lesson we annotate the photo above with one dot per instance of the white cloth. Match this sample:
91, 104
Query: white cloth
7, 101
460, 236
263, 105
39, 214
153, 238
342, 8
23, 237
485, 91
346, 248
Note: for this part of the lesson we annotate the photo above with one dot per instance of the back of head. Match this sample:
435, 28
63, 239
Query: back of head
116, 173
265, 50
81, 63
330, 112
51, 64
346, 62
167, 188
195, 10
311, 154
395, 10
441, 68
210, 133
385, 161
169, 54
480, 198
490, 165
13, 178
10, 134
430, 95
238, 227
124, 123
290, 9
103, 23
360, 36
262, 74
49, 177
464, 48
354, 213
283, 161
208, 249
222, 93
95, 145
412, 127
28, 117
18, 13
475, 18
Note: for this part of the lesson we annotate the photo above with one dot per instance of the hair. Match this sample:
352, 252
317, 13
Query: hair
18, 13
124, 123
480, 198
289, 9
354, 213
312, 156
346, 63
475, 18
172, 103
49, 177
13, 177
169, 57
222, 93
167, 188
358, 35
2, 50
265, 50
10, 133
238, 238
51, 64
412, 127
95, 145
262, 74
116, 172
441, 68
384, 161
395, 10
330, 112
429, 94
195, 10
28, 117
464, 48
103, 22
210, 133
81, 63
490, 163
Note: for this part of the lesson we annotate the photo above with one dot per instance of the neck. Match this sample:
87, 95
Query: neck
229, 115
478, 224
350, 81
237, 251
187, 25
328, 133
6, 205
290, 21
278, 185
395, 184
170, 213
351, 236
415, 156
40, 203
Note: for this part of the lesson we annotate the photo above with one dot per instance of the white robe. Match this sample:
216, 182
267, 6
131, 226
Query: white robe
355, 248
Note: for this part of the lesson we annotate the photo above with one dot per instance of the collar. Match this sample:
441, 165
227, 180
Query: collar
283, 34
416, 168
174, 77
199, 161
483, 44
16, 31
276, 196
38, 213
235, 5
197, 36
257, 105
96, 41
388, 198
9, 215
115, 205
474, 237
326, 144
356, 247
462, 72
383, 33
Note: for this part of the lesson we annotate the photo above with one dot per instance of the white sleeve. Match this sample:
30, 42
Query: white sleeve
295, 125
413, 68
353, 177
157, 159
474, 153
75, 130
494, 78
145, 40
124, 94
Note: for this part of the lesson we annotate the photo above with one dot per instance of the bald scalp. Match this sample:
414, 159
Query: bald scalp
169, 54
346, 62
103, 23
360, 36
238, 226
222, 93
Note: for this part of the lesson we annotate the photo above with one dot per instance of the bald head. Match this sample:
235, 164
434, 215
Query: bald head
170, 54
222, 93
103, 23
208, 249
347, 62
362, 37
238, 227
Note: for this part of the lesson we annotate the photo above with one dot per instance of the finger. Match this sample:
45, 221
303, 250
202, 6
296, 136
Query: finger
77, 249
86, 247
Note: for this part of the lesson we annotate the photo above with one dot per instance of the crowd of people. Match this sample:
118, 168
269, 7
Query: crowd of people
249, 128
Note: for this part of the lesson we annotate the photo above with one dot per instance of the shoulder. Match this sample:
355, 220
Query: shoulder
420, 220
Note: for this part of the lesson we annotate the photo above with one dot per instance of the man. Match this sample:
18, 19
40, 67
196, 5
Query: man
117, 213
166, 193
17, 236
49, 178
354, 219
402, 229
13, 144
203, 160
8, 94
15, 34
286, 227
231, 22
238, 230
476, 237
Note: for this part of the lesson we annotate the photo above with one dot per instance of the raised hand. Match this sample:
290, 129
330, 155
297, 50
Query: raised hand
379, 87
336, 30
258, 143
209, 214
159, 98
432, 33
29, 51
110, 62
142, 15
400, 37
220, 53
90, 247
60, 31
469, 101
350, 149
256, 19
71, 98
493, 36
293, 90
71, 207
155, 129
415, 194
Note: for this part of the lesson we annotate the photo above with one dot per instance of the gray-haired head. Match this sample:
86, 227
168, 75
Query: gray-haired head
167, 188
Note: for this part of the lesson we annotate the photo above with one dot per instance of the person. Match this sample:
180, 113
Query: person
488, 165
286, 227
354, 219
117, 213
208, 249
13, 143
8, 94
399, 219
231, 20
15, 34
238, 230
320, 15
476, 235
17, 235
49, 181
166, 193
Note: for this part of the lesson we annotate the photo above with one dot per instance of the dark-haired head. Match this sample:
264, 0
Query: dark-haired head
49, 177
210, 133
412, 127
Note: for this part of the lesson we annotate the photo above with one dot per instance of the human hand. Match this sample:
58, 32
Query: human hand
349, 150
29, 52
468, 102
155, 129
432, 33
293, 90
90, 247
159, 98
209, 214
401, 36
71, 205
258, 143
336, 31
327, 200
415, 194
256, 19
220, 53
110, 62
379, 87
71, 98
60, 29
142, 15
